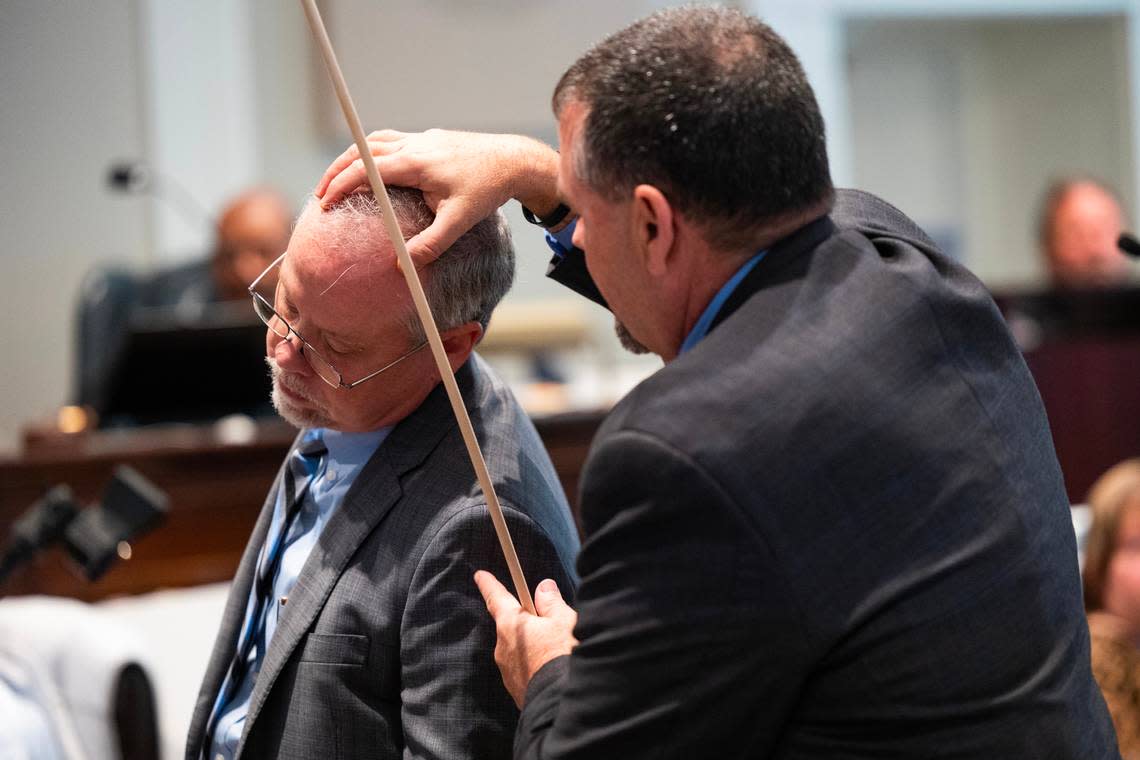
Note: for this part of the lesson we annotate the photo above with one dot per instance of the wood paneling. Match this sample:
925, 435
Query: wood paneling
215, 489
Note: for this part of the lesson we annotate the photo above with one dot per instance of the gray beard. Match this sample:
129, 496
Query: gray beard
628, 342
296, 416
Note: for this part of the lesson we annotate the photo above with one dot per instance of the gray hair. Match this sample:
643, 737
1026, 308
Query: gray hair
463, 285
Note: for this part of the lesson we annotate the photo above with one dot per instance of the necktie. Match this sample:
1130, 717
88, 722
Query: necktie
303, 463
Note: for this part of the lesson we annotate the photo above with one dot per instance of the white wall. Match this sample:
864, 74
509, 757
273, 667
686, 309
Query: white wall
199, 105
906, 110
70, 95
962, 123
993, 132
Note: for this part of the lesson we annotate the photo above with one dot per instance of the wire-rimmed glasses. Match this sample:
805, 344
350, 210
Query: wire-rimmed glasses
282, 329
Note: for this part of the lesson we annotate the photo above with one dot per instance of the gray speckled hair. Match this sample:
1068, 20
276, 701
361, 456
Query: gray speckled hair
463, 285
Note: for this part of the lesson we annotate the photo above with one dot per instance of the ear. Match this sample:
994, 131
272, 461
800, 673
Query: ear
459, 342
654, 233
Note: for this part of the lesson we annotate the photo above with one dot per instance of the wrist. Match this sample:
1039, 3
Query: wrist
534, 181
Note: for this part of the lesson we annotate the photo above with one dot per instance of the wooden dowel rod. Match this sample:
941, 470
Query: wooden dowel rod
422, 308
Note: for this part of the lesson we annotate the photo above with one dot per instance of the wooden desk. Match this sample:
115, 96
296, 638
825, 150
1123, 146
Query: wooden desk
1090, 386
1083, 348
215, 489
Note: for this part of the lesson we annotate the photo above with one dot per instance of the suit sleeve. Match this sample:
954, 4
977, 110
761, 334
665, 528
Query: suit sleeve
454, 704
690, 645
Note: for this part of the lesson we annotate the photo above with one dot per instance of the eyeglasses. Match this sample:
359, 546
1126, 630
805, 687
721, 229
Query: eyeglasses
282, 329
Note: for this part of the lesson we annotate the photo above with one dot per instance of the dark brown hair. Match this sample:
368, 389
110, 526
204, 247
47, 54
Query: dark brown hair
710, 106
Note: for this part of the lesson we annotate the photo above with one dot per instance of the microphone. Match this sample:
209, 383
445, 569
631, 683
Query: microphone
128, 176
1128, 244
41, 526
133, 177
131, 507
93, 537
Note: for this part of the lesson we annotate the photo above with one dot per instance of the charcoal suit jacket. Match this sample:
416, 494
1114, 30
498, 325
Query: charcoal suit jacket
385, 648
836, 528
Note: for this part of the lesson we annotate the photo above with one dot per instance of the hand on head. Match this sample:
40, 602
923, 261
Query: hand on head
464, 176
526, 642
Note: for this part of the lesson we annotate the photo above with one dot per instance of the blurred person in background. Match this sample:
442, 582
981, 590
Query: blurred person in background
1080, 222
252, 231
1112, 597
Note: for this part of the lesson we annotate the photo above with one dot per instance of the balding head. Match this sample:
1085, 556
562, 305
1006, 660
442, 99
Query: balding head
1081, 221
463, 286
253, 230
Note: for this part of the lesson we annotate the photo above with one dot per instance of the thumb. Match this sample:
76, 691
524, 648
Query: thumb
548, 602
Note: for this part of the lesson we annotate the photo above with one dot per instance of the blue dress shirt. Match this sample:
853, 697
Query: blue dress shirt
704, 322
326, 488
561, 242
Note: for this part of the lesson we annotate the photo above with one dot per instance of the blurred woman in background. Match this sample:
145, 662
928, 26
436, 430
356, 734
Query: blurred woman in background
1112, 597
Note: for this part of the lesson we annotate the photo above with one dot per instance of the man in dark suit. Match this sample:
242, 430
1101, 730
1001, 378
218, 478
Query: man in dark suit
353, 629
833, 524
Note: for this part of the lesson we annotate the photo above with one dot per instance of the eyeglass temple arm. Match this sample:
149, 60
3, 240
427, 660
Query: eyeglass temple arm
261, 276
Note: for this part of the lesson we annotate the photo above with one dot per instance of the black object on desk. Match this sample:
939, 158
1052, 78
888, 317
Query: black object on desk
131, 507
94, 537
173, 370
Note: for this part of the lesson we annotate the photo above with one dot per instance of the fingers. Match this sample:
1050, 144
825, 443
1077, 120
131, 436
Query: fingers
451, 221
386, 135
335, 168
350, 178
548, 602
378, 142
394, 170
499, 601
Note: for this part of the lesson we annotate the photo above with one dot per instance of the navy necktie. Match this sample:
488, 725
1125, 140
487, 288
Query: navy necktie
304, 461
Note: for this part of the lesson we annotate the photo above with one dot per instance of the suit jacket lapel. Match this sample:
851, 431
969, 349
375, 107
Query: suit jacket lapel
376, 490
232, 620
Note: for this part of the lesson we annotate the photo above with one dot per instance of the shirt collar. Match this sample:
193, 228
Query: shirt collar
704, 323
350, 449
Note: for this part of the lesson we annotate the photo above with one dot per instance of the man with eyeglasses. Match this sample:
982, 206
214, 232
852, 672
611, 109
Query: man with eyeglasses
352, 628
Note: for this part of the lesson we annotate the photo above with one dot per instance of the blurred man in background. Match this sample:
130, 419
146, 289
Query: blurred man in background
252, 231
1080, 222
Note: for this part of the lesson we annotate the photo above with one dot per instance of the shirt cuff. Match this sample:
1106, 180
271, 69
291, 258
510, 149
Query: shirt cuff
561, 242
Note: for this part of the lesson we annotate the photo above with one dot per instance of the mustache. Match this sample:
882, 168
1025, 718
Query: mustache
280, 376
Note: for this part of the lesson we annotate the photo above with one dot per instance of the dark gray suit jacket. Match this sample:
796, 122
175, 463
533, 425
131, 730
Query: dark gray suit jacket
834, 529
385, 649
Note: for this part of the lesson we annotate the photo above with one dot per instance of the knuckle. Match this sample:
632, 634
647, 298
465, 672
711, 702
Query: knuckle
430, 249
